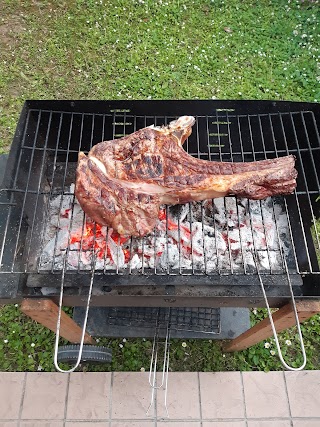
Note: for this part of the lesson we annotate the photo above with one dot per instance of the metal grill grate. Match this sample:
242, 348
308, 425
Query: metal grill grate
141, 321
46, 160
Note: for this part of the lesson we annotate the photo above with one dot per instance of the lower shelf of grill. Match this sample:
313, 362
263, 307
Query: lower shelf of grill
134, 322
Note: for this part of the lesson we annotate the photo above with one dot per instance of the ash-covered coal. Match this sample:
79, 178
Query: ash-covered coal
214, 236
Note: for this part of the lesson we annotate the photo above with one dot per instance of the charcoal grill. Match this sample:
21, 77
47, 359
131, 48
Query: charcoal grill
41, 168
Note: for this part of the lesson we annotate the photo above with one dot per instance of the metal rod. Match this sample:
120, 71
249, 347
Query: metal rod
11, 203
192, 153
165, 365
29, 174
84, 327
47, 208
39, 192
285, 365
63, 186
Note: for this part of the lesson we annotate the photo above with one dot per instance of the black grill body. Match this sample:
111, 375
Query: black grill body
42, 162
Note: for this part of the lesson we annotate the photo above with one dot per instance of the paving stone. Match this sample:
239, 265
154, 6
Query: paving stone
11, 386
221, 395
88, 397
265, 395
45, 396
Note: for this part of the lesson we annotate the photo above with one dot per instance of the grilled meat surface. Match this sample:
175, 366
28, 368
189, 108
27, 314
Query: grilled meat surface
123, 182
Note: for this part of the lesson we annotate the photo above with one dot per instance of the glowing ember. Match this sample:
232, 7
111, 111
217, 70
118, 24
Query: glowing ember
212, 236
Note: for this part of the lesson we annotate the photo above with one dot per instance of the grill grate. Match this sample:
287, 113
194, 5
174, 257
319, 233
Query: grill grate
141, 321
46, 161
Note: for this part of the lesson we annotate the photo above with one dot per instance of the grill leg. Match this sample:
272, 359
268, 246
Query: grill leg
283, 319
45, 311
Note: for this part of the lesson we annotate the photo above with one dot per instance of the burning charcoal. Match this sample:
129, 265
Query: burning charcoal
233, 240
210, 249
275, 260
179, 212
232, 214
148, 250
196, 212
180, 233
170, 257
210, 235
197, 238
159, 246
220, 242
263, 260
209, 209
86, 259
57, 244
254, 207
242, 203
136, 263
220, 216
271, 236
73, 259
219, 204
208, 231
61, 203
198, 262
99, 263
58, 263
108, 264
116, 252
212, 263
249, 261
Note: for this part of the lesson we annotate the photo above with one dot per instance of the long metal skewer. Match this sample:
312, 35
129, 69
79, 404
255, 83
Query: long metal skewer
286, 366
56, 347
165, 365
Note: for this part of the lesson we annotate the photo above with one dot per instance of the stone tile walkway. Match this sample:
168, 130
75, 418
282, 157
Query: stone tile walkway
121, 399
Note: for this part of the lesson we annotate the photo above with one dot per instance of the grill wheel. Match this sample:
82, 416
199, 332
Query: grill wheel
90, 353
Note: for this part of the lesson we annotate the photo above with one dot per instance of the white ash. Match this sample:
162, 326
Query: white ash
211, 236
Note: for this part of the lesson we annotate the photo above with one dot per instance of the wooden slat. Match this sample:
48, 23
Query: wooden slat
45, 311
283, 319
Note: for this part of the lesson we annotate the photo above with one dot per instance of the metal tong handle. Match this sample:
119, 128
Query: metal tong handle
165, 366
56, 346
284, 364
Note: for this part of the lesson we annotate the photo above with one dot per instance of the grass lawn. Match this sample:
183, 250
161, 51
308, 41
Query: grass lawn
159, 49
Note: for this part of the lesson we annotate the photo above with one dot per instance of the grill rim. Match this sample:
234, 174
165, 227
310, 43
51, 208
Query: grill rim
79, 106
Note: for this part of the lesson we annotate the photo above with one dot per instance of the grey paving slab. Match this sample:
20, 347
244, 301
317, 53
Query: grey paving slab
133, 424
131, 395
221, 395
224, 424
87, 424
304, 393
41, 423
228, 399
89, 396
269, 423
45, 396
182, 396
306, 423
11, 387
265, 395
188, 423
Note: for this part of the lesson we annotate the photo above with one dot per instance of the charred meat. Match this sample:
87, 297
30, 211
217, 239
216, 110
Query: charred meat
122, 183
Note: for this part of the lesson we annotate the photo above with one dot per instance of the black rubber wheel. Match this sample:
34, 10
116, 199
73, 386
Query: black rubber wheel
90, 353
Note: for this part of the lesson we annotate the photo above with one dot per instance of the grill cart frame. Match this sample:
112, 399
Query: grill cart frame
265, 129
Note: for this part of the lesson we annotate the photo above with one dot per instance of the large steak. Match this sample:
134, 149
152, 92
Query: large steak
123, 182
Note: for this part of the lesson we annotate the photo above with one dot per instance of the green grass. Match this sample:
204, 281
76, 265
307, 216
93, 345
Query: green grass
27, 346
156, 49
167, 49
315, 232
